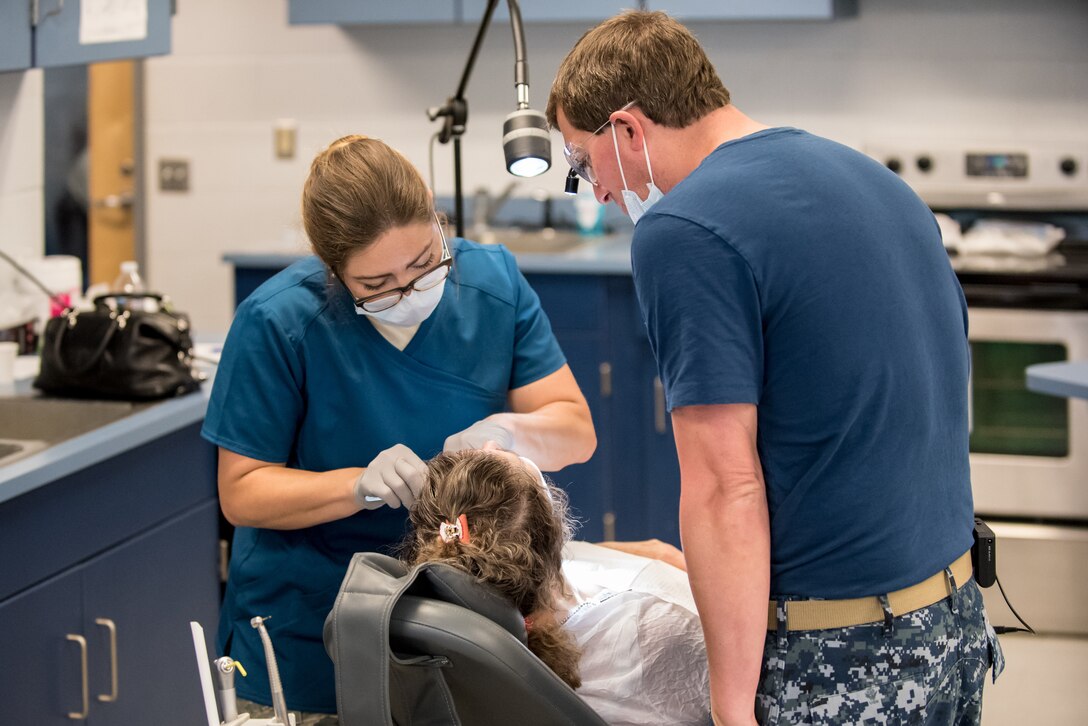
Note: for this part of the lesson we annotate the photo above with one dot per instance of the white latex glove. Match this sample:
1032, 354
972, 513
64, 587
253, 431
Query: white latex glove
395, 477
478, 434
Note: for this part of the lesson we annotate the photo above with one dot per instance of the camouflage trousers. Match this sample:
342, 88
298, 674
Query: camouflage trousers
256, 710
924, 667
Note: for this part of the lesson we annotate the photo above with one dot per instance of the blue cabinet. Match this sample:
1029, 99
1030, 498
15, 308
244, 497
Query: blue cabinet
58, 40
127, 610
577, 306
647, 478
557, 11
14, 35
685, 10
102, 571
372, 11
631, 486
553, 11
42, 656
46, 35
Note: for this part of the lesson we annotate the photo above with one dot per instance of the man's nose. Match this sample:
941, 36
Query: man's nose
601, 194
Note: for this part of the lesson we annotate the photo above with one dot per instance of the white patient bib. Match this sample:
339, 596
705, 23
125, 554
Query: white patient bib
643, 656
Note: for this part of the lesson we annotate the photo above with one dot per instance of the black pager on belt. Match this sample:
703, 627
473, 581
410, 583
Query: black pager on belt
984, 554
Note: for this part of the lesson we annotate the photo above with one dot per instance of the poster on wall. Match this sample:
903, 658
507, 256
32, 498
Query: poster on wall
112, 21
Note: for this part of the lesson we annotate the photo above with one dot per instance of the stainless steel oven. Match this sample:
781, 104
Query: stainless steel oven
1029, 465
1029, 451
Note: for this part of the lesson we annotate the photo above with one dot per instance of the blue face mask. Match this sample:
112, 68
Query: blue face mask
637, 207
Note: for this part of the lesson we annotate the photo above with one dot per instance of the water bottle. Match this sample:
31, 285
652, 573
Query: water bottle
129, 281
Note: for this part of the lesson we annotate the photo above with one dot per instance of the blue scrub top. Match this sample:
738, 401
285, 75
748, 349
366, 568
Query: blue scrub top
306, 381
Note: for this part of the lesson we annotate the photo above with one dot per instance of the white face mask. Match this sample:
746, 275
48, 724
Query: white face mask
637, 207
411, 310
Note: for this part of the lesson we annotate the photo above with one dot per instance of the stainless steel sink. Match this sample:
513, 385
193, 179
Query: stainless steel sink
29, 424
15, 449
516, 239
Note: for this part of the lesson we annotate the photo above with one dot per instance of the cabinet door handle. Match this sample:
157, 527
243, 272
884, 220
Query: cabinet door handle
606, 379
110, 626
224, 560
35, 11
81, 715
660, 425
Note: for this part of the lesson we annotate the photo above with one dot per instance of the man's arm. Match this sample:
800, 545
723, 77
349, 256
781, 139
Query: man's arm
725, 529
653, 549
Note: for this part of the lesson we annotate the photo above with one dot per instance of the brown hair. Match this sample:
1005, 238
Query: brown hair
645, 57
517, 533
358, 189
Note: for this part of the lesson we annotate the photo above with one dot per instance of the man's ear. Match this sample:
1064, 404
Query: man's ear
628, 129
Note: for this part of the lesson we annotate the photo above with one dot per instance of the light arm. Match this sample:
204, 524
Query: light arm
256, 493
550, 421
725, 529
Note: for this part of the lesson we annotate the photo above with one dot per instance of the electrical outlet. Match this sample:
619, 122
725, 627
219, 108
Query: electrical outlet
173, 175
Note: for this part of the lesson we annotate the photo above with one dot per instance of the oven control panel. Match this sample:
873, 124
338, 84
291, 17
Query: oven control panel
1040, 176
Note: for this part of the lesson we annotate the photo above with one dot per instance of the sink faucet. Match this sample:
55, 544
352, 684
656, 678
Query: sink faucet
486, 207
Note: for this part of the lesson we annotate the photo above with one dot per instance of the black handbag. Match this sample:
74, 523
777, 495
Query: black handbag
117, 352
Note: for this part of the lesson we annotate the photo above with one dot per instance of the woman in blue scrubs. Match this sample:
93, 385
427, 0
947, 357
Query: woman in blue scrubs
346, 370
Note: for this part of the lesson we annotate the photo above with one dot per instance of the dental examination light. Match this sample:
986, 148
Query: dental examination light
526, 143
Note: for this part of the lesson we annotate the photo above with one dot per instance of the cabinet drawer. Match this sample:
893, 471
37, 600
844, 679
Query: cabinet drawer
62, 523
572, 302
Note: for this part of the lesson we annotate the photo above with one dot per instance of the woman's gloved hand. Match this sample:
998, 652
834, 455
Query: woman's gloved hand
395, 477
478, 434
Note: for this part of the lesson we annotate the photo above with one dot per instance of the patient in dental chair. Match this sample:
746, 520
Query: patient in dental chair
619, 627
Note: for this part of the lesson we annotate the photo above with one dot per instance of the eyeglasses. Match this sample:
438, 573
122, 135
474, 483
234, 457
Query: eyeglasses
578, 157
432, 277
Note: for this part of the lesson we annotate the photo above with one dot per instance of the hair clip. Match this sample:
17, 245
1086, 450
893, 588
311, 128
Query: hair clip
449, 531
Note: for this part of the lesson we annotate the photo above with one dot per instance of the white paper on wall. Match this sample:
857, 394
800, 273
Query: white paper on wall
110, 21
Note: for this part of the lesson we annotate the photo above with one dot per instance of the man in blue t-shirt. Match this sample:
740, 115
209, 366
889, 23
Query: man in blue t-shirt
812, 339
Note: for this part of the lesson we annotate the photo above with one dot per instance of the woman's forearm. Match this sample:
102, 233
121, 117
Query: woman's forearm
555, 435
276, 497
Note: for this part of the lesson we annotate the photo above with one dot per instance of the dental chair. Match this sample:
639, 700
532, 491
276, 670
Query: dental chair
432, 646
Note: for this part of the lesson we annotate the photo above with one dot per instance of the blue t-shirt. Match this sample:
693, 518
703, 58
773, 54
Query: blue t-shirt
794, 273
305, 381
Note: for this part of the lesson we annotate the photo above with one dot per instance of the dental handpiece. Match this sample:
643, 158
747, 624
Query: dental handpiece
279, 705
224, 668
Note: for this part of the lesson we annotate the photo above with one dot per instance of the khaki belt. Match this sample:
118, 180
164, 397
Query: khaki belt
824, 614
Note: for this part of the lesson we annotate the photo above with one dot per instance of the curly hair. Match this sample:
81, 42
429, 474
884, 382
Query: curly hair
518, 529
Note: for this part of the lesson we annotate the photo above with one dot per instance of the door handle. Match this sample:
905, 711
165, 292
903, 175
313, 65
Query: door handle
81, 715
660, 425
608, 524
124, 200
112, 627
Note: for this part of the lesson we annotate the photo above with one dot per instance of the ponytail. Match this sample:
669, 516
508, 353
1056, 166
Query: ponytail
556, 648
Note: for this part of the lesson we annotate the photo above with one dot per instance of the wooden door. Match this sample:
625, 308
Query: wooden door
111, 232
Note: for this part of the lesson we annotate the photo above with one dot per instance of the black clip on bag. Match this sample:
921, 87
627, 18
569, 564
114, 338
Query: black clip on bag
117, 352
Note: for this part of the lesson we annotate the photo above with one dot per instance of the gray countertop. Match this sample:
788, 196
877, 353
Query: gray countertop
66, 457
605, 255
1059, 379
